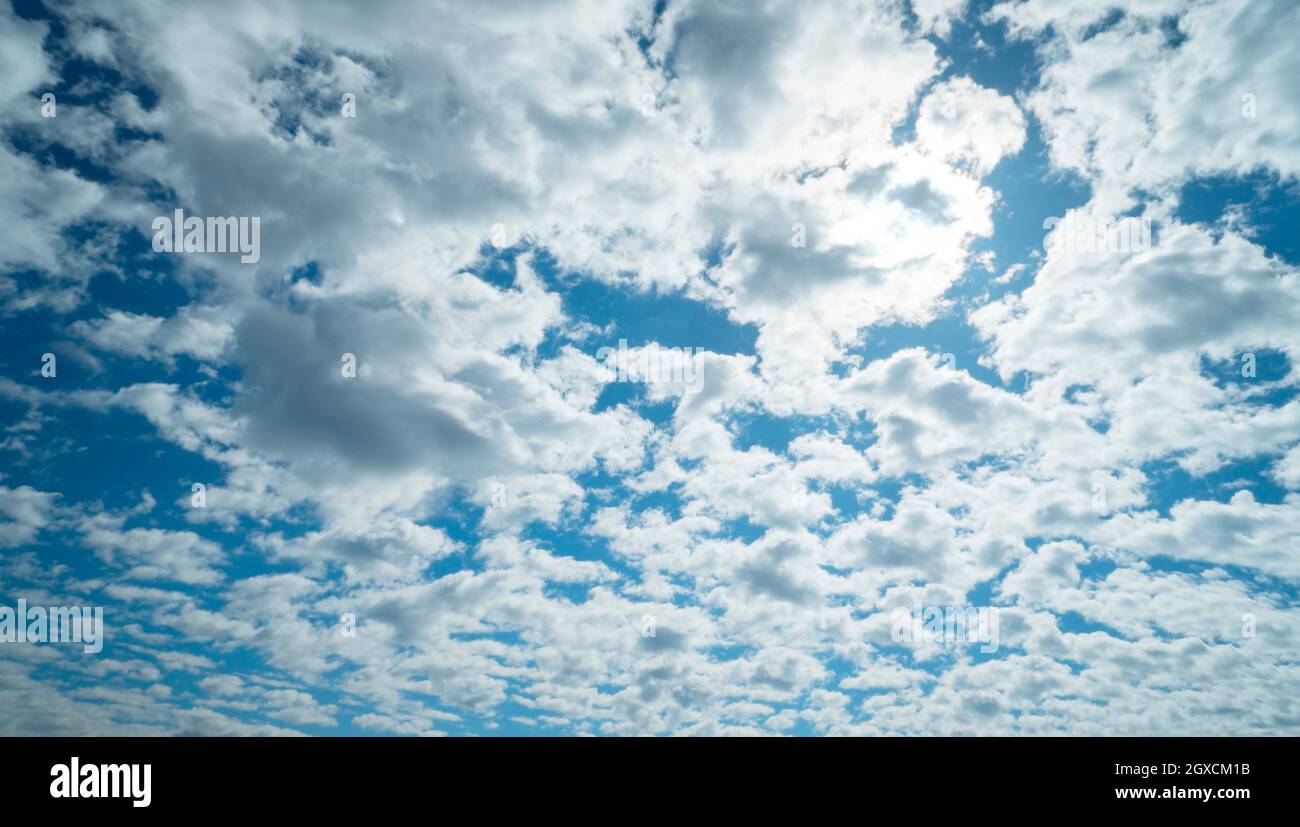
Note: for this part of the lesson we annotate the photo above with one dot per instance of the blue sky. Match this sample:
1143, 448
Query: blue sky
906, 395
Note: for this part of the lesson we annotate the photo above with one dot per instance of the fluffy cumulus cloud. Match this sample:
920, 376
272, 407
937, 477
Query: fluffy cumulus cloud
635, 367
